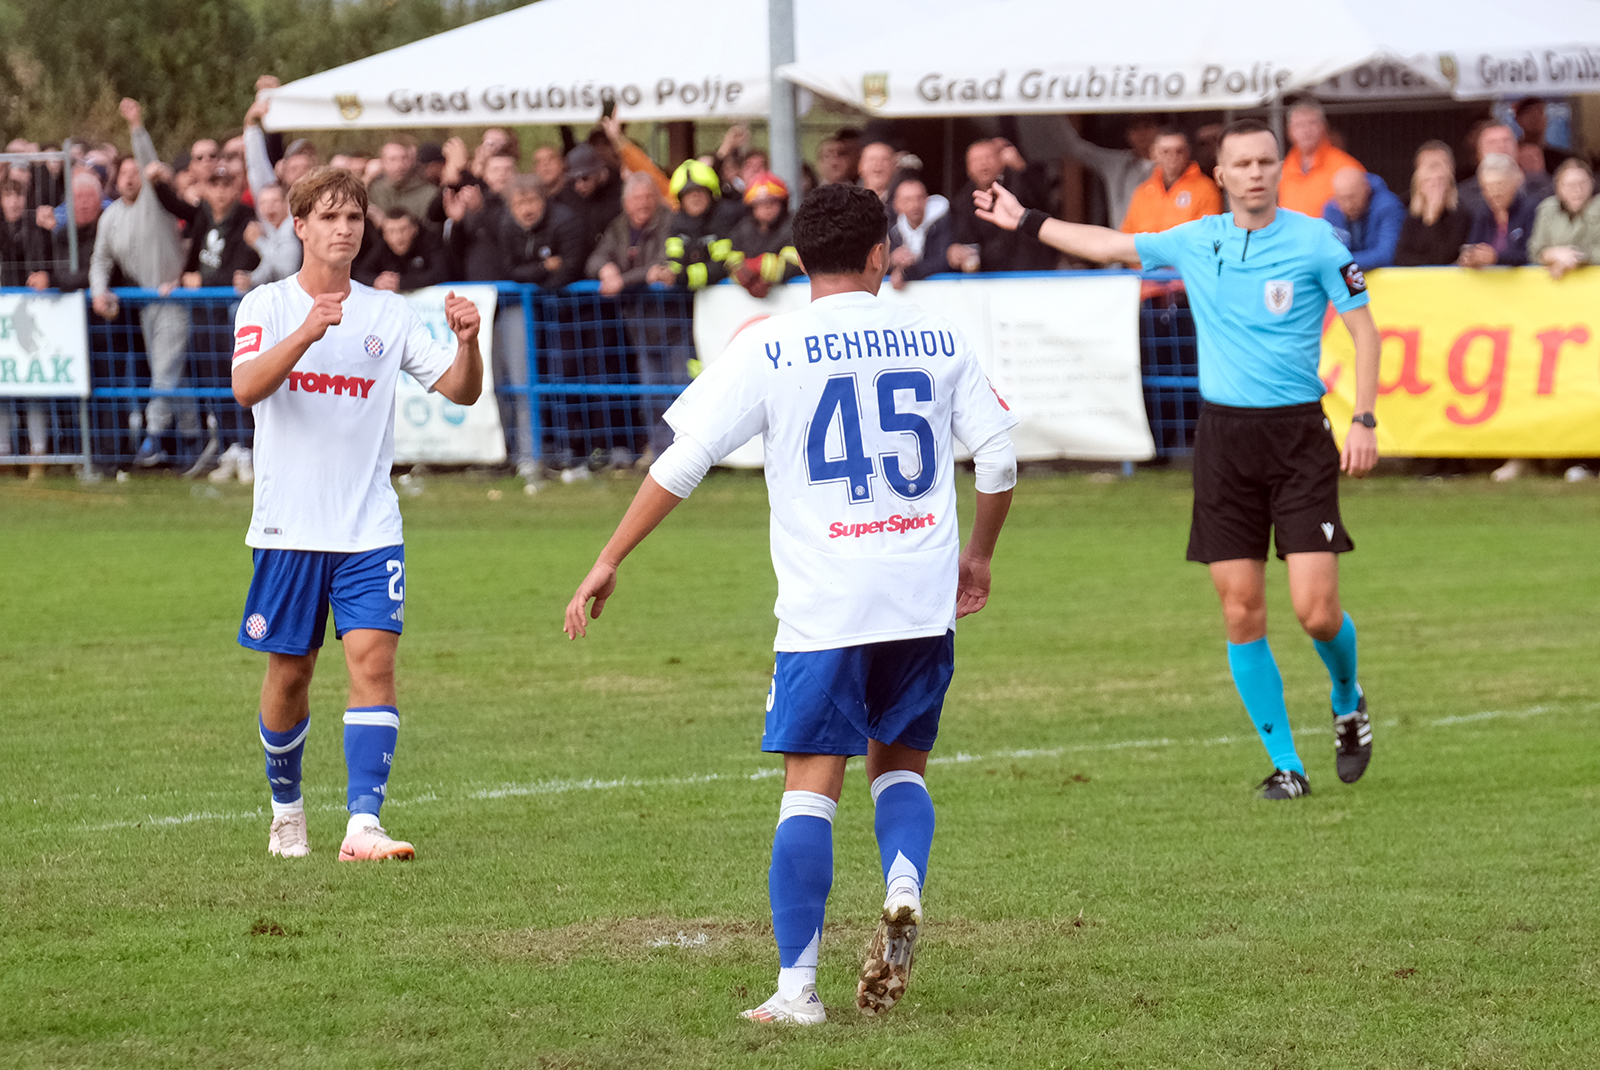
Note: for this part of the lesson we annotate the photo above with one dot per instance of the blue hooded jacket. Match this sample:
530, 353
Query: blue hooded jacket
1372, 238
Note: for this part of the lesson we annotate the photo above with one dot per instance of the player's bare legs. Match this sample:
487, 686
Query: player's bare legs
1242, 586
369, 655
1314, 588
286, 691
371, 727
285, 713
904, 825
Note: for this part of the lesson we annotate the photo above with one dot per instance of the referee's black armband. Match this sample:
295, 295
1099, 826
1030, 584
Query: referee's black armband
1032, 222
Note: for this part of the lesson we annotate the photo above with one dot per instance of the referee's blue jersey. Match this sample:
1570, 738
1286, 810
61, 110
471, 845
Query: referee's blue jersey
1258, 298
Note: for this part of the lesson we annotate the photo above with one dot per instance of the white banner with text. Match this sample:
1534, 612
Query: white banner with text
1063, 351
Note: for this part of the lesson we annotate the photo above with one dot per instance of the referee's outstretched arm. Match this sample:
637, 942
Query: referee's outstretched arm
1101, 244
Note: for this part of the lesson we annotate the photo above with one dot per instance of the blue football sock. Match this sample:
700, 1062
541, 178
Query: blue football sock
904, 824
284, 750
1339, 655
798, 882
1255, 674
369, 738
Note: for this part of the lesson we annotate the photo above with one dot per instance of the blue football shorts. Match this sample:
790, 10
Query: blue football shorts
833, 701
286, 611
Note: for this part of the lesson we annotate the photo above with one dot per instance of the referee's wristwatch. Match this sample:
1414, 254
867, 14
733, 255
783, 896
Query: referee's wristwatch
1365, 419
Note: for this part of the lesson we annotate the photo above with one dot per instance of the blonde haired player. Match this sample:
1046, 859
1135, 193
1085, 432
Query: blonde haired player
316, 358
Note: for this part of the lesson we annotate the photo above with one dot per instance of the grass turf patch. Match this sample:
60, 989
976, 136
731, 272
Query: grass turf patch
593, 819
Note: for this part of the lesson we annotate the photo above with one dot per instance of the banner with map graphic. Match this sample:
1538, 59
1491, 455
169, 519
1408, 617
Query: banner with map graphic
44, 346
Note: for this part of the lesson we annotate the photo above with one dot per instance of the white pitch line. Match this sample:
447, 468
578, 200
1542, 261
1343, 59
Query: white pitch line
568, 786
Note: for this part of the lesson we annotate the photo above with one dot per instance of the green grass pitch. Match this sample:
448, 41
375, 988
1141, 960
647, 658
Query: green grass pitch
593, 819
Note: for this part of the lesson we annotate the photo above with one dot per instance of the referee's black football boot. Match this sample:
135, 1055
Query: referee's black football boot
1352, 742
1284, 784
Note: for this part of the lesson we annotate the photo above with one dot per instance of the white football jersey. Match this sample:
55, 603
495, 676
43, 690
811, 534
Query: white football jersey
325, 438
857, 401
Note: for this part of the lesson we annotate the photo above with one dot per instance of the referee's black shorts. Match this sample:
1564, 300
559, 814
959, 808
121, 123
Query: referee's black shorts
1265, 470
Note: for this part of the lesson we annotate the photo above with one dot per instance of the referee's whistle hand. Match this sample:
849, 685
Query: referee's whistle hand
998, 205
1360, 451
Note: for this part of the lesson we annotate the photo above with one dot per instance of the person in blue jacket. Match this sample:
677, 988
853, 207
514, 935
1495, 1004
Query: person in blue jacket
1367, 216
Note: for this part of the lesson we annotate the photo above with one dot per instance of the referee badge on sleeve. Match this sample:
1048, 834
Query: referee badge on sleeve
1354, 280
1279, 296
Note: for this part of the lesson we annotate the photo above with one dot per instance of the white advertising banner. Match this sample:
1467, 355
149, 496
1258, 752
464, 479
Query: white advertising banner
1063, 351
432, 429
44, 346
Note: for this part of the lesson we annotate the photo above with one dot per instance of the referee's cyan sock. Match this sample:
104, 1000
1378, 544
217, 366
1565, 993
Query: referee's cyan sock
1255, 674
799, 882
1339, 655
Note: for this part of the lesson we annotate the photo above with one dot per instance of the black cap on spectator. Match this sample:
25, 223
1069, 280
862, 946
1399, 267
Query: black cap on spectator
583, 160
430, 153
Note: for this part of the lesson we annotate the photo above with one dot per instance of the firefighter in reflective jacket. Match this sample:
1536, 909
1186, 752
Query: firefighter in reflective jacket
697, 255
763, 241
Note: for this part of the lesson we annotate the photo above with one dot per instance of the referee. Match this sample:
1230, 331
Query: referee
1259, 280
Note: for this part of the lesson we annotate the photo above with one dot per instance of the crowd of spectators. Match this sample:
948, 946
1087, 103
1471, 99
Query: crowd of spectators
601, 208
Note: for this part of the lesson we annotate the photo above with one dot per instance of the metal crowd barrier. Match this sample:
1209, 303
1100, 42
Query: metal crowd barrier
581, 377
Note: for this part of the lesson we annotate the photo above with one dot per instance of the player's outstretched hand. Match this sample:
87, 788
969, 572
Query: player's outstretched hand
972, 586
1360, 451
326, 311
599, 585
462, 316
999, 206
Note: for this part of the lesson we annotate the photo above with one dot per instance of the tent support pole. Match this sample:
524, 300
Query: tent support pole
1275, 117
783, 140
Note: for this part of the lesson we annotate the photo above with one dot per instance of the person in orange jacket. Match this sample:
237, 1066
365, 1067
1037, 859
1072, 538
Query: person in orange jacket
1176, 191
1309, 168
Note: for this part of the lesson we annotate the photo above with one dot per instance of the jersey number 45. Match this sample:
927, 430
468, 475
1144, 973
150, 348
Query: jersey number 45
841, 405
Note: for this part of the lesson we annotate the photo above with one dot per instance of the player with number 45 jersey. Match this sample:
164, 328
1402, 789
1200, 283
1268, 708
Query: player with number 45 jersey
316, 358
858, 403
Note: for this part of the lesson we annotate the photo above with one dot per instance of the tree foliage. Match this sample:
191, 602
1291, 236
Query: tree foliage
192, 63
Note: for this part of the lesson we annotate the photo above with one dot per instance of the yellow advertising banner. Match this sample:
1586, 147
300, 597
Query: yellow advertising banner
1496, 363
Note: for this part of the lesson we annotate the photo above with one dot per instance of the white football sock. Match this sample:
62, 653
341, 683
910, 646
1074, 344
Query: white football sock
285, 809
360, 823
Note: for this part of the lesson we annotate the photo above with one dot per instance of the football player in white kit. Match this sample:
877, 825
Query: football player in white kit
856, 401
316, 358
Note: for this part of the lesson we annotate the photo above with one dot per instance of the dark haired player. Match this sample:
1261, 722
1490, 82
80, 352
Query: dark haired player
316, 357
857, 402
1259, 281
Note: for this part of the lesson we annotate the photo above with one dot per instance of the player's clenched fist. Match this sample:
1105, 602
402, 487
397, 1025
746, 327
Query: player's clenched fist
462, 316
326, 311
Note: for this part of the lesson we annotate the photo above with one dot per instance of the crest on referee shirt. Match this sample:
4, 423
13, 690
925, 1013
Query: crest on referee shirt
1279, 296
1354, 280
875, 89
374, 346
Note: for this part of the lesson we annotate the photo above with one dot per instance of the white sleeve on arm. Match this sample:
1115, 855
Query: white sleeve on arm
257, 162
996, 464
682, 466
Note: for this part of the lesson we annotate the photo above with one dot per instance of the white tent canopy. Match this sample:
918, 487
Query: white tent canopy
987, 57
549, 62
958, 57
1482, 49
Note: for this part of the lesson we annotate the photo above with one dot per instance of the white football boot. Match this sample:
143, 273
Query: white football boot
288, 837
804, 1009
